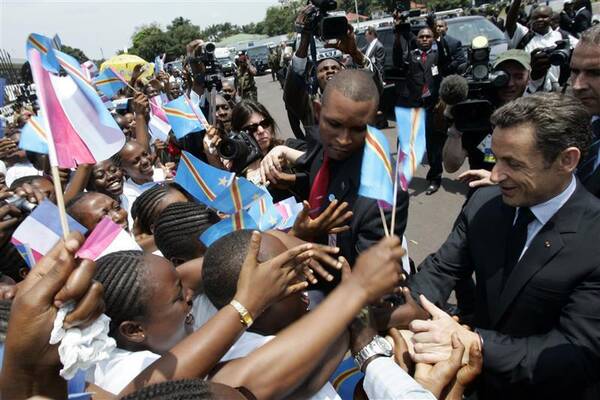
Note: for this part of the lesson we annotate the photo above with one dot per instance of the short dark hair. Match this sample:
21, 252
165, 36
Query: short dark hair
222, 264
178, 227
354, 84
559, 122
371, 30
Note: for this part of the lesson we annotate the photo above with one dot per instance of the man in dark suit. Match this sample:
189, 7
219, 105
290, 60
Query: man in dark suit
585, 64
583, 16
423, 83
451, 46
531, 241
330, 169
374, 49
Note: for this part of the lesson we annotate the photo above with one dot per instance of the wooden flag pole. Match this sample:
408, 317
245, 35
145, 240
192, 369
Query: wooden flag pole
60, 201
396, 178
383, 221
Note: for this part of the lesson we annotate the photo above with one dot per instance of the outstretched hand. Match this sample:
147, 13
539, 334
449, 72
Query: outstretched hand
331, 221
476, 178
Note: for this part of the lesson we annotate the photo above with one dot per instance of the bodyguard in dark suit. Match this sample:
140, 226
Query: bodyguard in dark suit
452, 48
374, 49
583, 16
332, 165
585, 64
532, 242
423, 83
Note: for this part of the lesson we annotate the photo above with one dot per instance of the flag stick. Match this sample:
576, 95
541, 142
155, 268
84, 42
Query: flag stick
60, 201
189, 102
383, 221
396, 178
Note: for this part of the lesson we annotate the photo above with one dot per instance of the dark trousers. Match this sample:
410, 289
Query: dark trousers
295, 125
434, 140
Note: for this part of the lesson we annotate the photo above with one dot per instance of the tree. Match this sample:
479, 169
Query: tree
74, 52
279, 20
181, 32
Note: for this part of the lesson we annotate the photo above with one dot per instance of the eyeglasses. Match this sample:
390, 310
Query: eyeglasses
252, 128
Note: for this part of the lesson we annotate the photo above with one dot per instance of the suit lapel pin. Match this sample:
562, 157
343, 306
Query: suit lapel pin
547, 244
331, 197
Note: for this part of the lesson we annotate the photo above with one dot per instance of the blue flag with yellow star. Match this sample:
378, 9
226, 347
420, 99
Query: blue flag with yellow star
240, 220
238, 196
264, 213
201, 180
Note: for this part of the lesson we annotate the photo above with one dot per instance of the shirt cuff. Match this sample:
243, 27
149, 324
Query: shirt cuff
298, 64
384, 379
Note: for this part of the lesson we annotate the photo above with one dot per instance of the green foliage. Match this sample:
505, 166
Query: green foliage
280, 19
74, 52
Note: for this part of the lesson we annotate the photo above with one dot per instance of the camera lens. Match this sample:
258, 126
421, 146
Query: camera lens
228, 149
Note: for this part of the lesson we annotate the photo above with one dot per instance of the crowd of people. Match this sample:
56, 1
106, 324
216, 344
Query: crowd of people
330, 308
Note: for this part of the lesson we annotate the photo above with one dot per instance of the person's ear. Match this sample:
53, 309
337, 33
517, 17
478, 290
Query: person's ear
569, 159
132, 331
176, 261
23, 272
317, 109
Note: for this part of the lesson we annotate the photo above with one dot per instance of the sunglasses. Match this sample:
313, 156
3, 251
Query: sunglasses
252, 128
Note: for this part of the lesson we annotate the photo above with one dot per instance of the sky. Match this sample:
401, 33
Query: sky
106, 26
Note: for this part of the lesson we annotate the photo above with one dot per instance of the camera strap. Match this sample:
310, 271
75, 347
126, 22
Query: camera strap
313, 82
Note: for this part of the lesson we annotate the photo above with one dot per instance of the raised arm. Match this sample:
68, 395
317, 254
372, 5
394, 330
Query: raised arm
512, 16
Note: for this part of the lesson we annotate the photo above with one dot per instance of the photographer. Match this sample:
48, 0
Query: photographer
246, 86
253, 119
541, 41
297, 94
477, 145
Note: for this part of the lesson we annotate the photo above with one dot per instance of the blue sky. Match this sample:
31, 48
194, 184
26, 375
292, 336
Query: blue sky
93, 25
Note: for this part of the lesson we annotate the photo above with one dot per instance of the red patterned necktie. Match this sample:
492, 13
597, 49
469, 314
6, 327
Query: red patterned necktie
318, 191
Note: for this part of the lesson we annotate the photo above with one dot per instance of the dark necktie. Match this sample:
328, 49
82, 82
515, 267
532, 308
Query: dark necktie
586, 168
516, 240
425, 90
318, 191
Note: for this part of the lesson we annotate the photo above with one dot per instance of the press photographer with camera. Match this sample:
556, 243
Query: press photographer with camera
512, 68
304, 86
253, 135
550, 50
246, 72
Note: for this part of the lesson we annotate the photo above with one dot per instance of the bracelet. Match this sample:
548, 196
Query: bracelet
245, 316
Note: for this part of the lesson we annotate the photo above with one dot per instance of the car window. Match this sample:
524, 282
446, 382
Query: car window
466, 31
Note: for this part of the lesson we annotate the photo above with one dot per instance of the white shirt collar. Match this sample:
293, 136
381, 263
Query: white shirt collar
371, 45
544, 211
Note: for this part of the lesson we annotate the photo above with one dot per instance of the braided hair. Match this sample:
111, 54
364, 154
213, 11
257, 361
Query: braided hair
178, 227
121, 273
183, 389
147, 207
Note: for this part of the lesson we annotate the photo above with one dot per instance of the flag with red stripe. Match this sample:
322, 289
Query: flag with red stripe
376, 177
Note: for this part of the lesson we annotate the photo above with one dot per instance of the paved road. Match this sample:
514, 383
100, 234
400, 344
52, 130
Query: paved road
430, 218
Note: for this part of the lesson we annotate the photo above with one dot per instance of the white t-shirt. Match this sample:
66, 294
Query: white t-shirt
132, 191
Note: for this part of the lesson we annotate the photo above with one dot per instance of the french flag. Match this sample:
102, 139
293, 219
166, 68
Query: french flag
40, 231
81, 129
289, 210
107, 237
159, 124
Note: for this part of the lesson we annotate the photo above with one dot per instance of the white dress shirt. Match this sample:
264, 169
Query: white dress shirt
384, 379
544, 211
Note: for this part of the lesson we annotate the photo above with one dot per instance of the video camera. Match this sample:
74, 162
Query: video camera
472, 114
559, 54
210, 77
323, 25
241, 148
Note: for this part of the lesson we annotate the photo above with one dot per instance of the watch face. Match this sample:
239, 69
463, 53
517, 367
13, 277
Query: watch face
385, 345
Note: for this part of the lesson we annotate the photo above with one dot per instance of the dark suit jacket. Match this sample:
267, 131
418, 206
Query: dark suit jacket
419, 74
454, 53
582, 21
366, 226
541, 332
377, 55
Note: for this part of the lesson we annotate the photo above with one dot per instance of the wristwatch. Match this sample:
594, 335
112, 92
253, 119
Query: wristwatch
377, 347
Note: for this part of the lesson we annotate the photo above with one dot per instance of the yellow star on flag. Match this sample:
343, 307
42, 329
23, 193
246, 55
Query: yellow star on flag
223, 181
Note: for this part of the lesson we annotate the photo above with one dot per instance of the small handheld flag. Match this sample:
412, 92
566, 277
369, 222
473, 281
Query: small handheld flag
184, 117
376, 176
109, 82
107, 237
410, 123
46, 48
40, 231
264, 213
239, 195
241, 220
201, 180
158, 124
33, 137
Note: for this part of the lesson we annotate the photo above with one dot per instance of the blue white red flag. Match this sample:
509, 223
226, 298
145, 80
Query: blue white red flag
107, 237
410, 123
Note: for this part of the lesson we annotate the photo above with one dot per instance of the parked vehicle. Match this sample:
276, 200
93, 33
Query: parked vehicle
259, 55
